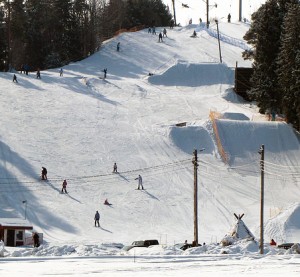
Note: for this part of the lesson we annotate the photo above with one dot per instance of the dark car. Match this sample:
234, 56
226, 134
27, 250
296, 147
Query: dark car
141, 243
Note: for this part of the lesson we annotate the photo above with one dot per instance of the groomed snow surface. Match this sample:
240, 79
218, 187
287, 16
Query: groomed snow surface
78, 125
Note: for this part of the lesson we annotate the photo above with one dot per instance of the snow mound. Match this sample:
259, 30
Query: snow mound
287, 223
194, 75
242, 139
192, 137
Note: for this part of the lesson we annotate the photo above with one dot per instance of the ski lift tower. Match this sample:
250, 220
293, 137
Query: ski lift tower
173, 2
240, 10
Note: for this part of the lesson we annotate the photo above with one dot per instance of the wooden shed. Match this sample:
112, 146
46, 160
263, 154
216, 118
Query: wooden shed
12, 231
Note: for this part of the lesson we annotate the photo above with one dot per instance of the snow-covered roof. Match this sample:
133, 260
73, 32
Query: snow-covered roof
15, 222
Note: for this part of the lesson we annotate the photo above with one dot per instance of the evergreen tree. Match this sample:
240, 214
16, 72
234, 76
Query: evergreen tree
3, 40
264, 35
17, 28
289, 65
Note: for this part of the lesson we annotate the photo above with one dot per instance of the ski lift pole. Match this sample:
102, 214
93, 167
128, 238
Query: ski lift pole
173, 2
207, 14
217, 22
262, 157
195, 162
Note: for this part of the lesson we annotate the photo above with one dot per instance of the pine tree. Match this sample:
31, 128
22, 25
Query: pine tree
3, 40
289, 65
264, 35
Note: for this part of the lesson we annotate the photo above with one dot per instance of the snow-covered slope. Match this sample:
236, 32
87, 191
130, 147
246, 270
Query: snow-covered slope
78, 125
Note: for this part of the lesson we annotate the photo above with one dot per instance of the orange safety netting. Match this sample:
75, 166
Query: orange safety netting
213, 116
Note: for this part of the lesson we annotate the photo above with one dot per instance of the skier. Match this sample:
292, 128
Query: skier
44, 173
36, 239
153, 30
140, 180
118, 46
165, 32
115, 168
38, 74
61, 72
97, 217
229, 18
15, 78
64, 187
160, 37
149, 30
105, 71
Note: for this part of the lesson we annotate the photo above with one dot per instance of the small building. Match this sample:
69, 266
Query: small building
12, 231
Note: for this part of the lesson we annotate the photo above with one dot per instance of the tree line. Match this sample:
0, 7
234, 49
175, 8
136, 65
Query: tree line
52, 33
274, 34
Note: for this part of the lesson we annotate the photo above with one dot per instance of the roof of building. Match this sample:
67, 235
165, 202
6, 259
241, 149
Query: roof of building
16, 223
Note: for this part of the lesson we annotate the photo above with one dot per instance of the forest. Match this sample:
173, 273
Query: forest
51, 33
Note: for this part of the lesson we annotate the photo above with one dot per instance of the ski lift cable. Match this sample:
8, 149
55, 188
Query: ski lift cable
178, 163
279, 165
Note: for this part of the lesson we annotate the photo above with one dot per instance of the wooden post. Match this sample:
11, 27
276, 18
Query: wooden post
262, 156
173, 2
207, 14
195, 162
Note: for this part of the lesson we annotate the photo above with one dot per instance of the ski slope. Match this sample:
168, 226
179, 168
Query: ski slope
78, 125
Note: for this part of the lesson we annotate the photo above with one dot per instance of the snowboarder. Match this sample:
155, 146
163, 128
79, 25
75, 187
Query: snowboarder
61, 72
149, 30
64, 187
165, 32
194, 34
15, 78
105, 72
160, 37
36, 239
118, 46
44, 173
107, 203
97, 217
140, 182
38, 74
273, 242
115, 170
229, 18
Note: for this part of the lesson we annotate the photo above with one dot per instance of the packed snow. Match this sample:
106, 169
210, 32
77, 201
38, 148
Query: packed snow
79, 124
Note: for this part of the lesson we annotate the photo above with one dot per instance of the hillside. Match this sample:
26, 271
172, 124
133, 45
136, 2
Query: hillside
78, 125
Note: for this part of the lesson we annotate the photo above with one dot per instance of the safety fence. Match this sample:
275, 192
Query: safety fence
124, 30
213, 117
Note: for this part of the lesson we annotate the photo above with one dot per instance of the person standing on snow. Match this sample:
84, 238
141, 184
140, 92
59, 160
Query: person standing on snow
44, 173
15, 78
118, 46
229, 18
140, 182
105, 72
160, 37
115, 168
64, 187
97, 218
36, 239
61, 72
165, 32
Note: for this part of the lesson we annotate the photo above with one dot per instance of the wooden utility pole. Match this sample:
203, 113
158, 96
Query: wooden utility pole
195, 162
173, 2
207, 14
262, 167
